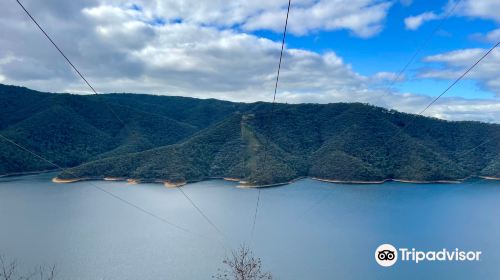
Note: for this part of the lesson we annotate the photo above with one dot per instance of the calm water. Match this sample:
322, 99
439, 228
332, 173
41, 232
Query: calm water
307, 230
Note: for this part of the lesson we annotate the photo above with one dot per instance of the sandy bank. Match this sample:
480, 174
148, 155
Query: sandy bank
390, 180
245, 184
489, 178
231, 179
65, 181
114, 179
170, 185
350, 182
429, 182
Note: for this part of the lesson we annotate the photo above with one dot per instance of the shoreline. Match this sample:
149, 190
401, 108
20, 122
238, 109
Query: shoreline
27, 173
66, 181
458, 181
244, 184
350, 182
490, 178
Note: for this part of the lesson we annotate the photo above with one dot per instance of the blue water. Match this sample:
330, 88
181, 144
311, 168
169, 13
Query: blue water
306, 230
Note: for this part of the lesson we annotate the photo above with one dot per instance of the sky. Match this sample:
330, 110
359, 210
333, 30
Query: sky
336, 51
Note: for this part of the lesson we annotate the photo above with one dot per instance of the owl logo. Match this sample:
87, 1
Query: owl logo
386, 255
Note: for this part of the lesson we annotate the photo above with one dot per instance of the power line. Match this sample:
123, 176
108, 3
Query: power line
423, 44
446, 90
200, 211
95, 92
255, 214
272, 110
436, 99
323, 198
56, 46
477, 146
68, 60
95, 186
123, 200
461, 76
410, 61
468, 151
412, 121
281, 52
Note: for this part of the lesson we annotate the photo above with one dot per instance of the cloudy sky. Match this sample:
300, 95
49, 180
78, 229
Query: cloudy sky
336, 51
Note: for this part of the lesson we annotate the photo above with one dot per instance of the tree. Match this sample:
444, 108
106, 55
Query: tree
8, 271
242, 265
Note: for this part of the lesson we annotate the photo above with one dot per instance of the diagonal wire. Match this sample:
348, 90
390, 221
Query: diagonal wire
200, 211
281, 53
95, 92
113, 195
272, 109
477, 146
413, 120
57, 47
444, 92
255, 214
323, 198
423, 44
69, 61
95, 186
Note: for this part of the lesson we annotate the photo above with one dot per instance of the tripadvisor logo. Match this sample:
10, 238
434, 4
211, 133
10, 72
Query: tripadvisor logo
387, 255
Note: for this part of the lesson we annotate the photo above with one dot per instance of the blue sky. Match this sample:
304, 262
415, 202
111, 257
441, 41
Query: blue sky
337, 51
394, 46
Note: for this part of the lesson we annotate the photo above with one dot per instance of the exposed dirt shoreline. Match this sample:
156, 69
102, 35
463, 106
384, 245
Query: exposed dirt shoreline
392, 180
490, 178
244, 184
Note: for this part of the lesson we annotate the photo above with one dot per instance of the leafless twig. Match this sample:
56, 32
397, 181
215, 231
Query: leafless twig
242, 265
8, 271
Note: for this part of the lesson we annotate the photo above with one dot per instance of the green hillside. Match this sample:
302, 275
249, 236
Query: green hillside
185, 139
72, 129
348, 142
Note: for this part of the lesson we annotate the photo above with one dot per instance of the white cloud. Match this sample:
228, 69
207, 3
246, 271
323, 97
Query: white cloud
364, 18
390, 77
455, 63
414, 22
120, 49
493, 36
486, 9
448, 108
466, 109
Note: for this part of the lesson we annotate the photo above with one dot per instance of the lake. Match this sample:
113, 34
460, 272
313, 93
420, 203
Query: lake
306, 230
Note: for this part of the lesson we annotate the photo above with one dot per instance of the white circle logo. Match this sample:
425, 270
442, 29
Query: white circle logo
386, 255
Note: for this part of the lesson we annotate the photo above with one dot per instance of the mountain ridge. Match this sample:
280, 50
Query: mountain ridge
238, 147
179, 139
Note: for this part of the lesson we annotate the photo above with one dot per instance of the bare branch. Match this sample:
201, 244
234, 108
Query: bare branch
8, 271
242, 265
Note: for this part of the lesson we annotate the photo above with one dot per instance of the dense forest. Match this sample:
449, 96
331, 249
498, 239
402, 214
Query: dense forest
178, 139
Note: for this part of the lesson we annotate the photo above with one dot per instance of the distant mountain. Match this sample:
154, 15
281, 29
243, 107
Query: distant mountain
181, 139
73, 129
346, 142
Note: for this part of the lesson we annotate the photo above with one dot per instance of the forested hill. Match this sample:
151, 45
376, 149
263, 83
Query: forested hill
73, 129
184, 139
